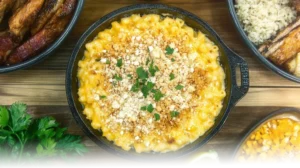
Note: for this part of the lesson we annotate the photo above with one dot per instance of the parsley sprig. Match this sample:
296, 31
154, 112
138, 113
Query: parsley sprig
142, 84
22, 136
174, 114
153, 69
119, 62
169, 50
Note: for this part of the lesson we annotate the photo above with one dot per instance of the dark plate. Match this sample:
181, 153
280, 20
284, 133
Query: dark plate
50, 49
291, 113
228, 59
254, 49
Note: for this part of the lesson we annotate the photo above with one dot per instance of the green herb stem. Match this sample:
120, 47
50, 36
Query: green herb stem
22, 147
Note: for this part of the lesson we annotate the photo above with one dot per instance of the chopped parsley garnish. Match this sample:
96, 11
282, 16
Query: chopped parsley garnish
150, 108
173, 60
144, 108
153, 69
157, 95
142, 74
119, 62
179, 87
102, 97
129, 76
107, 61
174, 114
157, 117
147, 88
172, 76
147, 61
136, 86
118, 77
169, 50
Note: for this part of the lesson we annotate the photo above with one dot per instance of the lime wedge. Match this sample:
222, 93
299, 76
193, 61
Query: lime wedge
209, 158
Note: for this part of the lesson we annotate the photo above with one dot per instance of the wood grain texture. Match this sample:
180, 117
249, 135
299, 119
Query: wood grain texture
43, 86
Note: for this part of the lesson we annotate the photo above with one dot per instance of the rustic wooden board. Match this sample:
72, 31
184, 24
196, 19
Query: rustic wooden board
43, 86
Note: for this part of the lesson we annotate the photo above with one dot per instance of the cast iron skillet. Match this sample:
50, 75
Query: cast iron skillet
50, 49
291, 113
254, 49
228, 59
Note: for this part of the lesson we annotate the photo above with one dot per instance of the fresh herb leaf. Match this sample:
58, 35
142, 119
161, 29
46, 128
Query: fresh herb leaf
118, 77
150, 108
153, 90
157, 117
179, 87
103, 97
136, 86
46, 148
169, 50
153, 69
172, 76
147, 88
107, 61
4, 117
147, 61
47, 127
142, 74
22, 133
144, 108
158, 95
20, 120
145, 91
119, 62
172, 59
71, 144
129, 76
174, 114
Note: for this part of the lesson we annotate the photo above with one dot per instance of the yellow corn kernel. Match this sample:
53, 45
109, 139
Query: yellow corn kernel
274, 139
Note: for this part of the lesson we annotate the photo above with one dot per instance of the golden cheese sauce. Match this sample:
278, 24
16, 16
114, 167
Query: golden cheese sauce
151, 83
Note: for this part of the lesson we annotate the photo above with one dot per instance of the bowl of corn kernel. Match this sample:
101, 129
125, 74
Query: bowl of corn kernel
275, 138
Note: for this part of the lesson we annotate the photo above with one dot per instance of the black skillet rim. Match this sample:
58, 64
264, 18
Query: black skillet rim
254, 49
234, 96
50, 49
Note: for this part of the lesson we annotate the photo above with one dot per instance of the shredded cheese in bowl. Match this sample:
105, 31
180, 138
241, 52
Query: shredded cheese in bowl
151, 83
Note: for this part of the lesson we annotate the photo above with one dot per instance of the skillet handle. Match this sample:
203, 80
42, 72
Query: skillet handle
238, 92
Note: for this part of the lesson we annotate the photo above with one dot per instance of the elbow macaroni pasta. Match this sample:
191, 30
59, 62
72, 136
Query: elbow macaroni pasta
205, 97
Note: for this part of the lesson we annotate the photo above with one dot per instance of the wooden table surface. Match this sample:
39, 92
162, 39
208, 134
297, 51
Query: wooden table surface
42, 86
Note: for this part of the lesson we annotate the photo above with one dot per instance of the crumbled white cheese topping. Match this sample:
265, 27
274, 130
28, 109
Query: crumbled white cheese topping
140, 52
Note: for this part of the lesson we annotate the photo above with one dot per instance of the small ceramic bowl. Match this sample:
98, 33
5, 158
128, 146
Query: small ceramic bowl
291, 113
254, 49
50, 49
